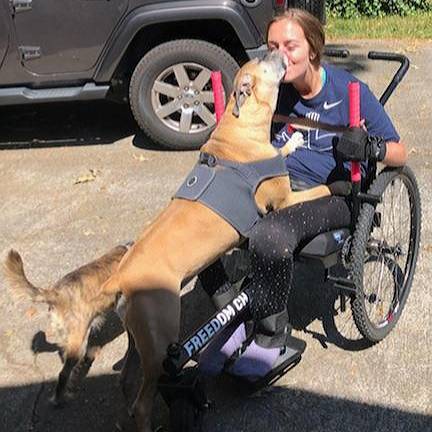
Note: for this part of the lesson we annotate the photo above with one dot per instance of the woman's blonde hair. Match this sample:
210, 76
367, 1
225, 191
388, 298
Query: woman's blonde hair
312, 29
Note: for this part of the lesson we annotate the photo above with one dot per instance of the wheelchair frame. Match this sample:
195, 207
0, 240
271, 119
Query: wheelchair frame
182, 388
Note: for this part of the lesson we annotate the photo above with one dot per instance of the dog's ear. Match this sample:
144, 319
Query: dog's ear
242, 90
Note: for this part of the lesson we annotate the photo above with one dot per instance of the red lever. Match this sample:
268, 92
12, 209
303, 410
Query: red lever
354, 118
219, 104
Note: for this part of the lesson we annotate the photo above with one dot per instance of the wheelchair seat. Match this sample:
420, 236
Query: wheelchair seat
325, 247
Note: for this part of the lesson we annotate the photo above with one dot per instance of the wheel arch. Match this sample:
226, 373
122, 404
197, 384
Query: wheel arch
224, 23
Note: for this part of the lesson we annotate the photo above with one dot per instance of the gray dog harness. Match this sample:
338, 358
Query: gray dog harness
228, 188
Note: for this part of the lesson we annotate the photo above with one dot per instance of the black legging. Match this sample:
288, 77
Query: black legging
272, 244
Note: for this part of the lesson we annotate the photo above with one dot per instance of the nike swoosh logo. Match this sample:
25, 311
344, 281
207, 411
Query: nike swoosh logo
328, 106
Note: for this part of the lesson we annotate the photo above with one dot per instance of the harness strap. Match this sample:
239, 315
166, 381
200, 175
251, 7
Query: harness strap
303, 123
252, 172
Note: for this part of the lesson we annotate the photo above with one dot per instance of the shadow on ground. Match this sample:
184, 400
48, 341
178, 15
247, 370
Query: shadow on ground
98, 407
65, 124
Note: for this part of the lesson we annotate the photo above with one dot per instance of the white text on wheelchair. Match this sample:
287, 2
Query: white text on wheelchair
206, 332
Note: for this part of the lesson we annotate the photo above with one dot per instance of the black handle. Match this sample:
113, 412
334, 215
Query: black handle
398, 76
336, 52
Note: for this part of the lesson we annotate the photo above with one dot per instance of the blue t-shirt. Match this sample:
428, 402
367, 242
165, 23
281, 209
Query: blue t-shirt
315, 163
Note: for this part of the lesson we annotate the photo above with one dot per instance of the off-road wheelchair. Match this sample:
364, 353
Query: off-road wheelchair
378, 253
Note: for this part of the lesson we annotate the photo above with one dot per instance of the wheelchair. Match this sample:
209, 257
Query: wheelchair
378, 253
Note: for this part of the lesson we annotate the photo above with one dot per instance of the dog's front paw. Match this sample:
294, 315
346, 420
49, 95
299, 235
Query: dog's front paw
341, 188
292, 144
295, 141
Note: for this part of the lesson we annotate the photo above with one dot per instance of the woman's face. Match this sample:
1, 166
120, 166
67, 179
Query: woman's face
288, 37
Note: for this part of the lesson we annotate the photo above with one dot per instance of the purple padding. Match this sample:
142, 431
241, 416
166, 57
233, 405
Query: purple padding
255, 362
213, 358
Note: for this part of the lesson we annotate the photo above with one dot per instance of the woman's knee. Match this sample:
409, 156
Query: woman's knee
273, 237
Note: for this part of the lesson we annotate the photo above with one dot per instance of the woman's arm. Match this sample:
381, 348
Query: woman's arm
396, 154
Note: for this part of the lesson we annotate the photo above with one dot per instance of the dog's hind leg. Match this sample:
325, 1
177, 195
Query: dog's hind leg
63, 378
81, 369
130, 376
73, 354
306, 195
129, 379
153, 317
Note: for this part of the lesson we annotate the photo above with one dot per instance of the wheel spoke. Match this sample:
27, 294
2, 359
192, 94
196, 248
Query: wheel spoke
168, 109
206, 97
166, 89
206, 115
181, 75
202, 79
186, 120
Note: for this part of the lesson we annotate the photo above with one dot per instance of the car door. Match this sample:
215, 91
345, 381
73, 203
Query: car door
64, 36
4, 33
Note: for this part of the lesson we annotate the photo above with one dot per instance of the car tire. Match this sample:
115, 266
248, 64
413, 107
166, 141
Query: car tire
170, 92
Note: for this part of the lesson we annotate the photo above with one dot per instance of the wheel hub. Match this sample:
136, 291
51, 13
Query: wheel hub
182, 98
189, 97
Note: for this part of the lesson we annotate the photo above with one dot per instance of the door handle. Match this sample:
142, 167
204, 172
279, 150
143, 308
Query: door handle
18, 6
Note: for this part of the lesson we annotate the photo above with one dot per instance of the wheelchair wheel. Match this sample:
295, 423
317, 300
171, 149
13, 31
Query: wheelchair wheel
384, 252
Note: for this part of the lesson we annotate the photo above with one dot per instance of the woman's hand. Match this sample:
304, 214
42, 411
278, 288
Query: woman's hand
356, 144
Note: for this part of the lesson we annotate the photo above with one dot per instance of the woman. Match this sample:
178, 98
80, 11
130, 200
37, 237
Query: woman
319, 92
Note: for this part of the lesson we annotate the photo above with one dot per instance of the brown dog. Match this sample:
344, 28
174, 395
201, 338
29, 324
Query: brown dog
187, 236
74, 308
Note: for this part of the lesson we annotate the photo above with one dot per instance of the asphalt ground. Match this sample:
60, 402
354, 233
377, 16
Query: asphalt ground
77, 179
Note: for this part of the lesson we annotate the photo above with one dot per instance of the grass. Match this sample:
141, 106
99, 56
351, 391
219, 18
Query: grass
390, 27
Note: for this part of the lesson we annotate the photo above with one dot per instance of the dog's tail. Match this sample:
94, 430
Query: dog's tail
20, 285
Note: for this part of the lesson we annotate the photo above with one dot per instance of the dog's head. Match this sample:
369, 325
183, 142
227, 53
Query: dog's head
260, 80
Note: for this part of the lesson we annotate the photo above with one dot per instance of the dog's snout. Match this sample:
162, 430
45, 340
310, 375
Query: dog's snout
277, 60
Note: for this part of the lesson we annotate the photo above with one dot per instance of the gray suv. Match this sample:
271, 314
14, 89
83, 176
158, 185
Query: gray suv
155, 55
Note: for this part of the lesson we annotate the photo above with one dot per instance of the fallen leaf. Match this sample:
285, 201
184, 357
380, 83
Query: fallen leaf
140, 158
85, 178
